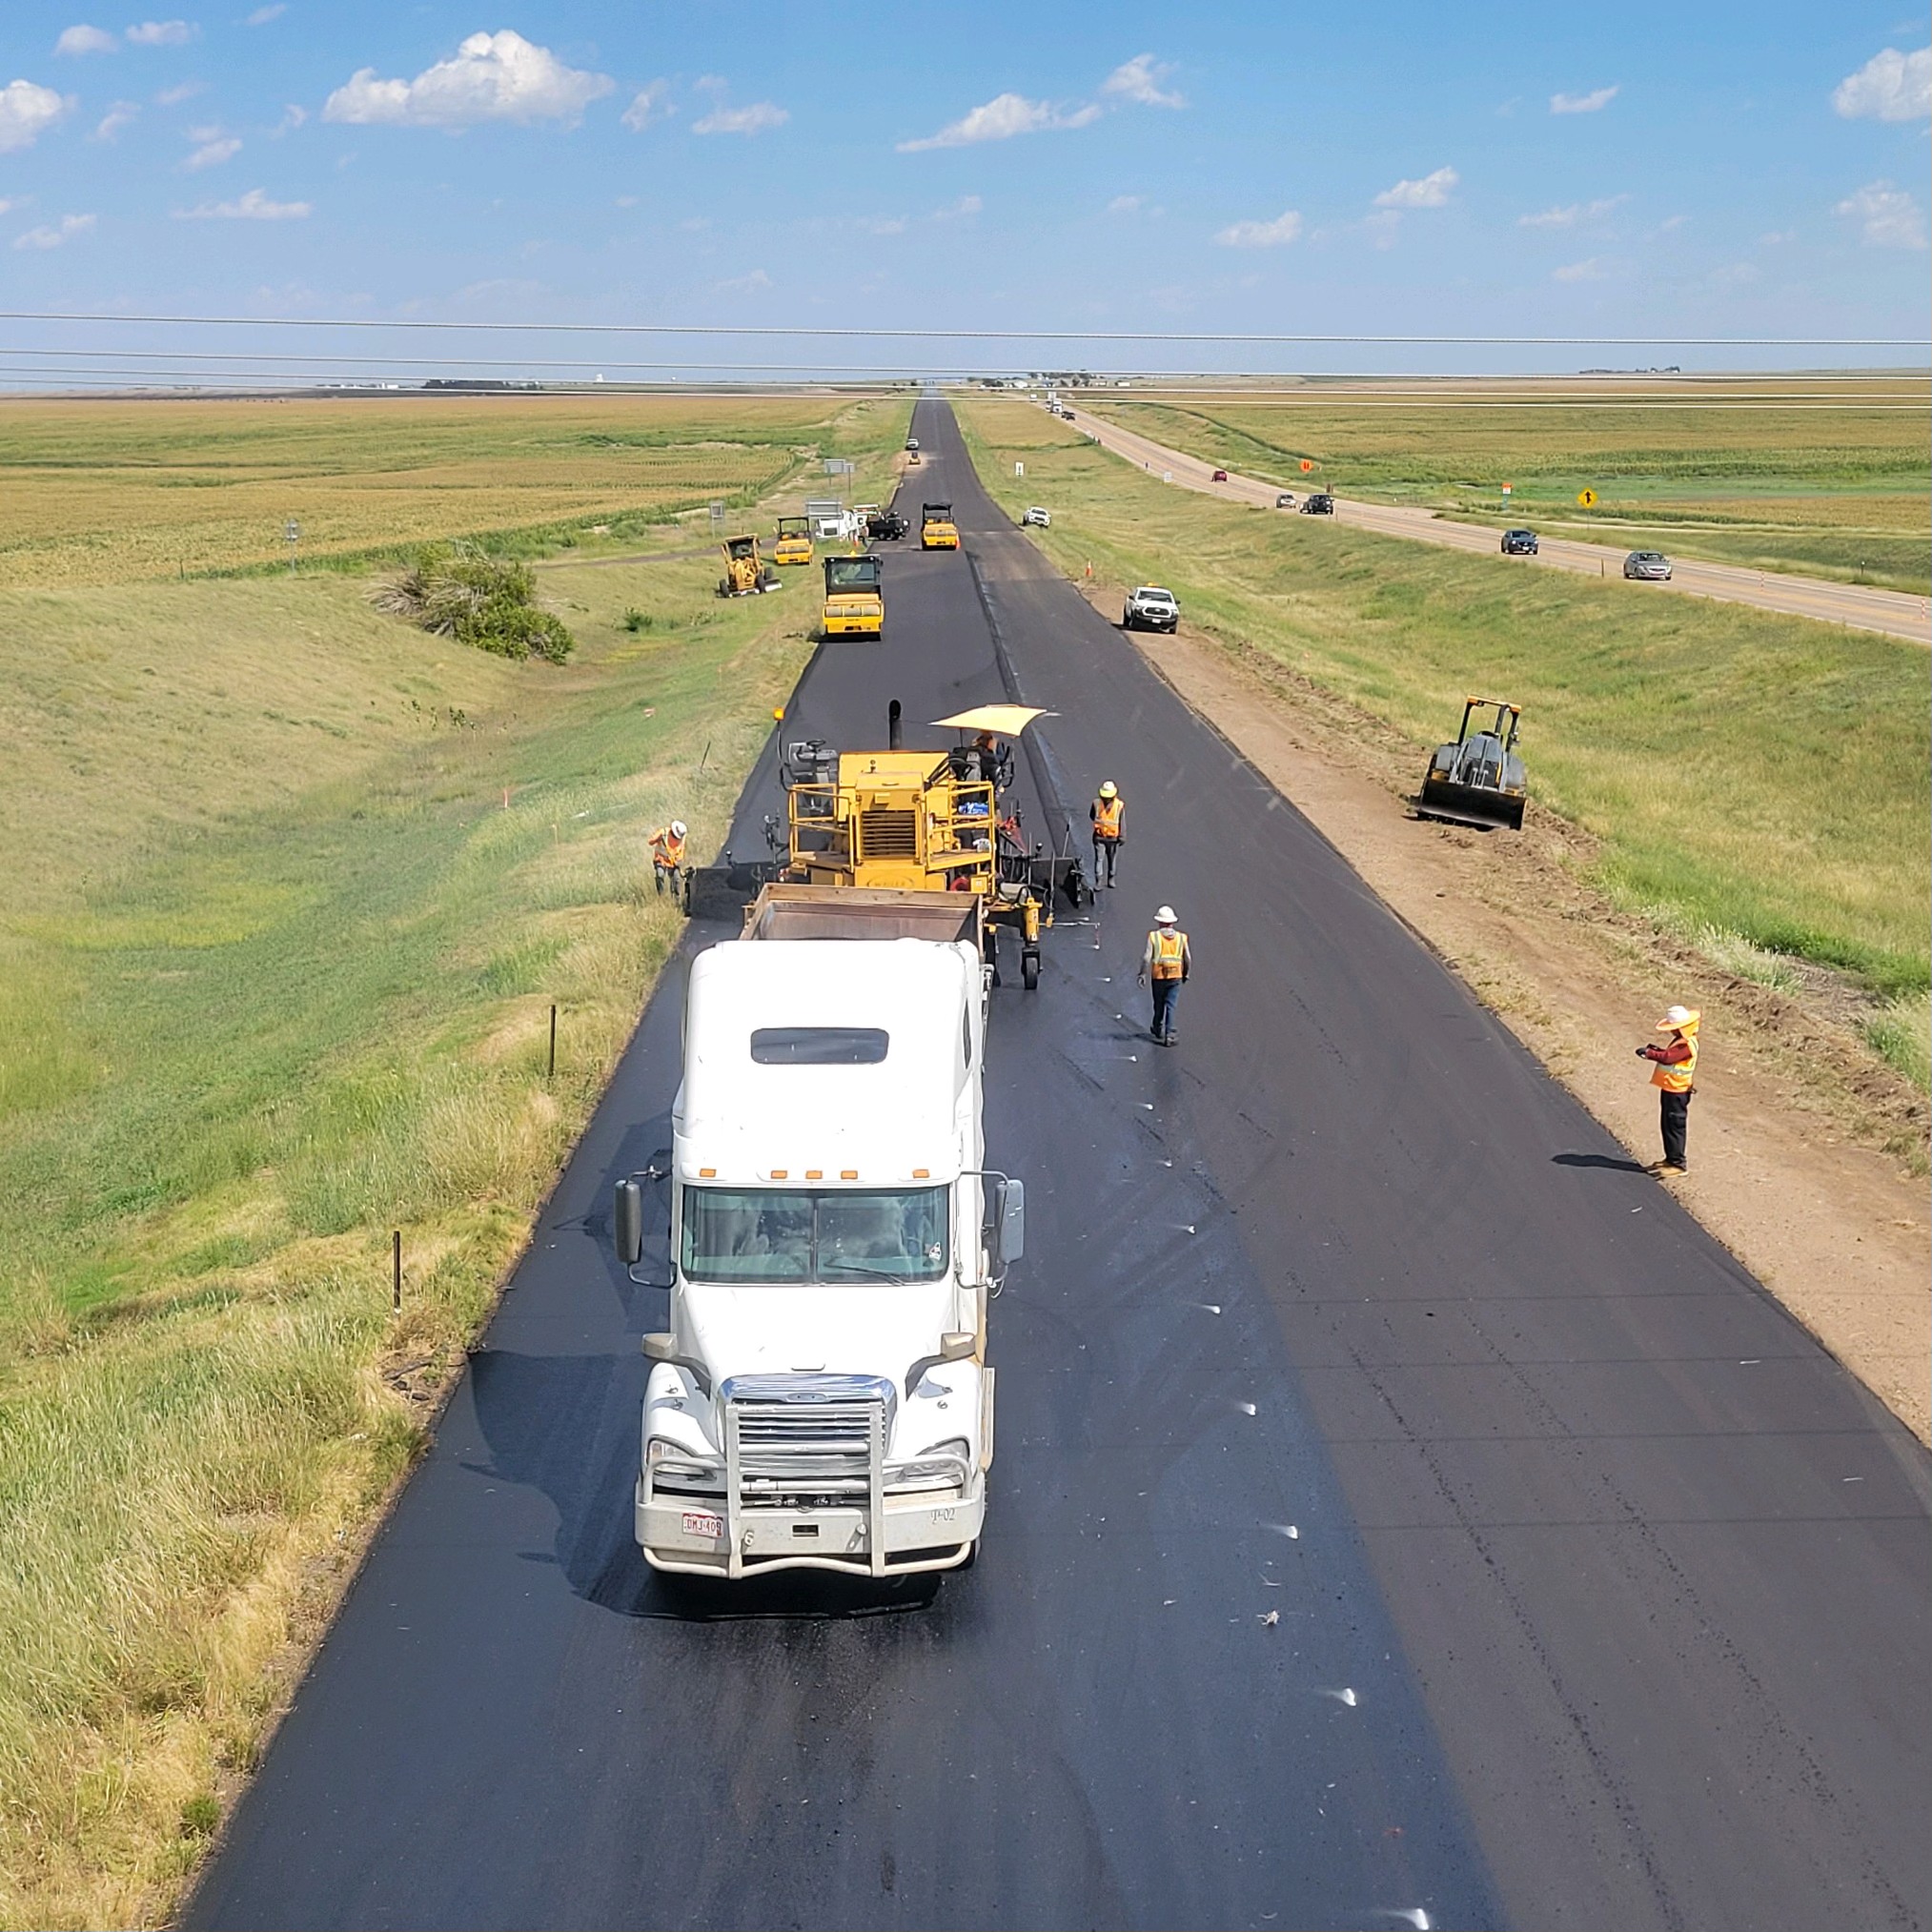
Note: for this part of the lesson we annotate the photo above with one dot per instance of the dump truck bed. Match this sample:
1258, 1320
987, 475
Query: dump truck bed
861, 912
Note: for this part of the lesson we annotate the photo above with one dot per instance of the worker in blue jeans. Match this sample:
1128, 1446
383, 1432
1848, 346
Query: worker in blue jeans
1167, 962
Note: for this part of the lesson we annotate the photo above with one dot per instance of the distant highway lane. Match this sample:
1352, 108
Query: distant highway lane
1893, 613
1403, 1515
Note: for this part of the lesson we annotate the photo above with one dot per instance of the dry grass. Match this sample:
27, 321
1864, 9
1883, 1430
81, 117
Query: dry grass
1742, 470
114, 492
278, 964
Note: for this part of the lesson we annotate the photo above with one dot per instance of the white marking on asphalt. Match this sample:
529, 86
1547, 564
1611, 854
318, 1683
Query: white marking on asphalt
1269, 1617
1286, 1529
1344, 1696
1247, 1408
1212, 1307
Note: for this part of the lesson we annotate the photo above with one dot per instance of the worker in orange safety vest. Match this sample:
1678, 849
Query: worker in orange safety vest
1675, 1076
1108, 813
1166, 961
667, 855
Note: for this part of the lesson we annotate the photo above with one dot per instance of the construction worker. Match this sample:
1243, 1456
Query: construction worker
1168, 962
1108, 813
1675, 1078
667, 855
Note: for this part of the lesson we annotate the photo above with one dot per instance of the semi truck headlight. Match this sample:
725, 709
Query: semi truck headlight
671, 1462
942, 1466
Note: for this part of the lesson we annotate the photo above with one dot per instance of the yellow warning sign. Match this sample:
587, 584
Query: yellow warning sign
1587, 497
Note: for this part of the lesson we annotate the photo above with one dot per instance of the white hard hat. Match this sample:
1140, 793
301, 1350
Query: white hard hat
678, 827
1165, 916
1677, 1016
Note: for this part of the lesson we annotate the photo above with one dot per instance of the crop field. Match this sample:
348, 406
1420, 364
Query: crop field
293, 888
116, 491
1748, 776
1827, 477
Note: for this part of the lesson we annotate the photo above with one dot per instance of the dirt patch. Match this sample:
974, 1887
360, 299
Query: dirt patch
1799, 1140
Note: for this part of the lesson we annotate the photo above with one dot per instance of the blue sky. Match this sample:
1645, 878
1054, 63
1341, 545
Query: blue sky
1639, 169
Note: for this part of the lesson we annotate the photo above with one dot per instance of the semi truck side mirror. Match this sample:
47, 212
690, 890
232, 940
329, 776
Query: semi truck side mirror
660, 1347
1012, 1221
627, 1222
956, 1345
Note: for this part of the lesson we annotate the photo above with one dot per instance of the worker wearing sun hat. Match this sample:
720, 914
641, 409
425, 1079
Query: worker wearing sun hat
1108, 813
667, 855
1675, 1077
1168, 962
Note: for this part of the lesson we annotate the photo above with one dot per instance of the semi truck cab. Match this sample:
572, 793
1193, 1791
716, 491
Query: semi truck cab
822, 1398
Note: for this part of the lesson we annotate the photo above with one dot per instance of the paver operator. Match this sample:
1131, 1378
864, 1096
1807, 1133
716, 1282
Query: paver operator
1167, 961
1675, 1077
667, 855
1108, 813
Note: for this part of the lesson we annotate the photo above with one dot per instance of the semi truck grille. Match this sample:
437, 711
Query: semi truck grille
886, 833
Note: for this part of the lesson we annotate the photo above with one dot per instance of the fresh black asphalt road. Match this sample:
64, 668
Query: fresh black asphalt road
1403, 1515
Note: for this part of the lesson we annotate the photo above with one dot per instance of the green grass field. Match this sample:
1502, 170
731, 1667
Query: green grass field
1760, 776
1839, 488
292, 887
114, 492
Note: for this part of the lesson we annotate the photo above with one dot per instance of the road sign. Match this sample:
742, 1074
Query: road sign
1505, 489
1019, 469
1306, 466
1587, 497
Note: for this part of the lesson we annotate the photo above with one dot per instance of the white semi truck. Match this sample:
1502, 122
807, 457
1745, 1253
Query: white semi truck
822, 1398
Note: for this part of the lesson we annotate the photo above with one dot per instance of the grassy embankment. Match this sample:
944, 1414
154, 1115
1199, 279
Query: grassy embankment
1840, 489
1757, 784
114, 492
275, 969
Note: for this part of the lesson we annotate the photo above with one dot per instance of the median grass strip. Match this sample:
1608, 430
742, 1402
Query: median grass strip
1752, 471
1762, 776
294, 887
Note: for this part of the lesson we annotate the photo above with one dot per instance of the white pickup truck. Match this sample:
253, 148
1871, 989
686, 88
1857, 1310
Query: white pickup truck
1151, 608
822, 1398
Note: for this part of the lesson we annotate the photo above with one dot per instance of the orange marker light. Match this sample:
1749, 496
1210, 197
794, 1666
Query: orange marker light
922, 1174
848, 1173
814, 1173
781, 1174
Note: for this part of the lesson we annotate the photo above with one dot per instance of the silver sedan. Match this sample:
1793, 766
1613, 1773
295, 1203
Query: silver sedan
1650, 566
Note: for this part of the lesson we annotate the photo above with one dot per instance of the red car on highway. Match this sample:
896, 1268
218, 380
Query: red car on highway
1219, 476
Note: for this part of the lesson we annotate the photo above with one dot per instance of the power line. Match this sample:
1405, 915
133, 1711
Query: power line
740, 329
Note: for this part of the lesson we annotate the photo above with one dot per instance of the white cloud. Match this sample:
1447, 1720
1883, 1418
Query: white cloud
262, 15
1671, 223
752, 120
211, 154
491, 77
1887, 216
1275, 233
53, 235
161, 33
1000, 119
1139, 80
254, 206
1777, 237
183, 91
123, 113
86, 40
648, 107
1382, 229
962, 210
742, 284
1583, 104
1890, 87
1590, 270
7, 207
26, 112
293, 117
1570, 215
1125, 204
1736, 274
1432, 191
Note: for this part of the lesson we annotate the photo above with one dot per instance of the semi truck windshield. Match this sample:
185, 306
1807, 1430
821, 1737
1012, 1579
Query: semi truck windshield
778, 1235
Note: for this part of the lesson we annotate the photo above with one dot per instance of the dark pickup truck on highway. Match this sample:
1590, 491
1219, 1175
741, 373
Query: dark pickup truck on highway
1319, 504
